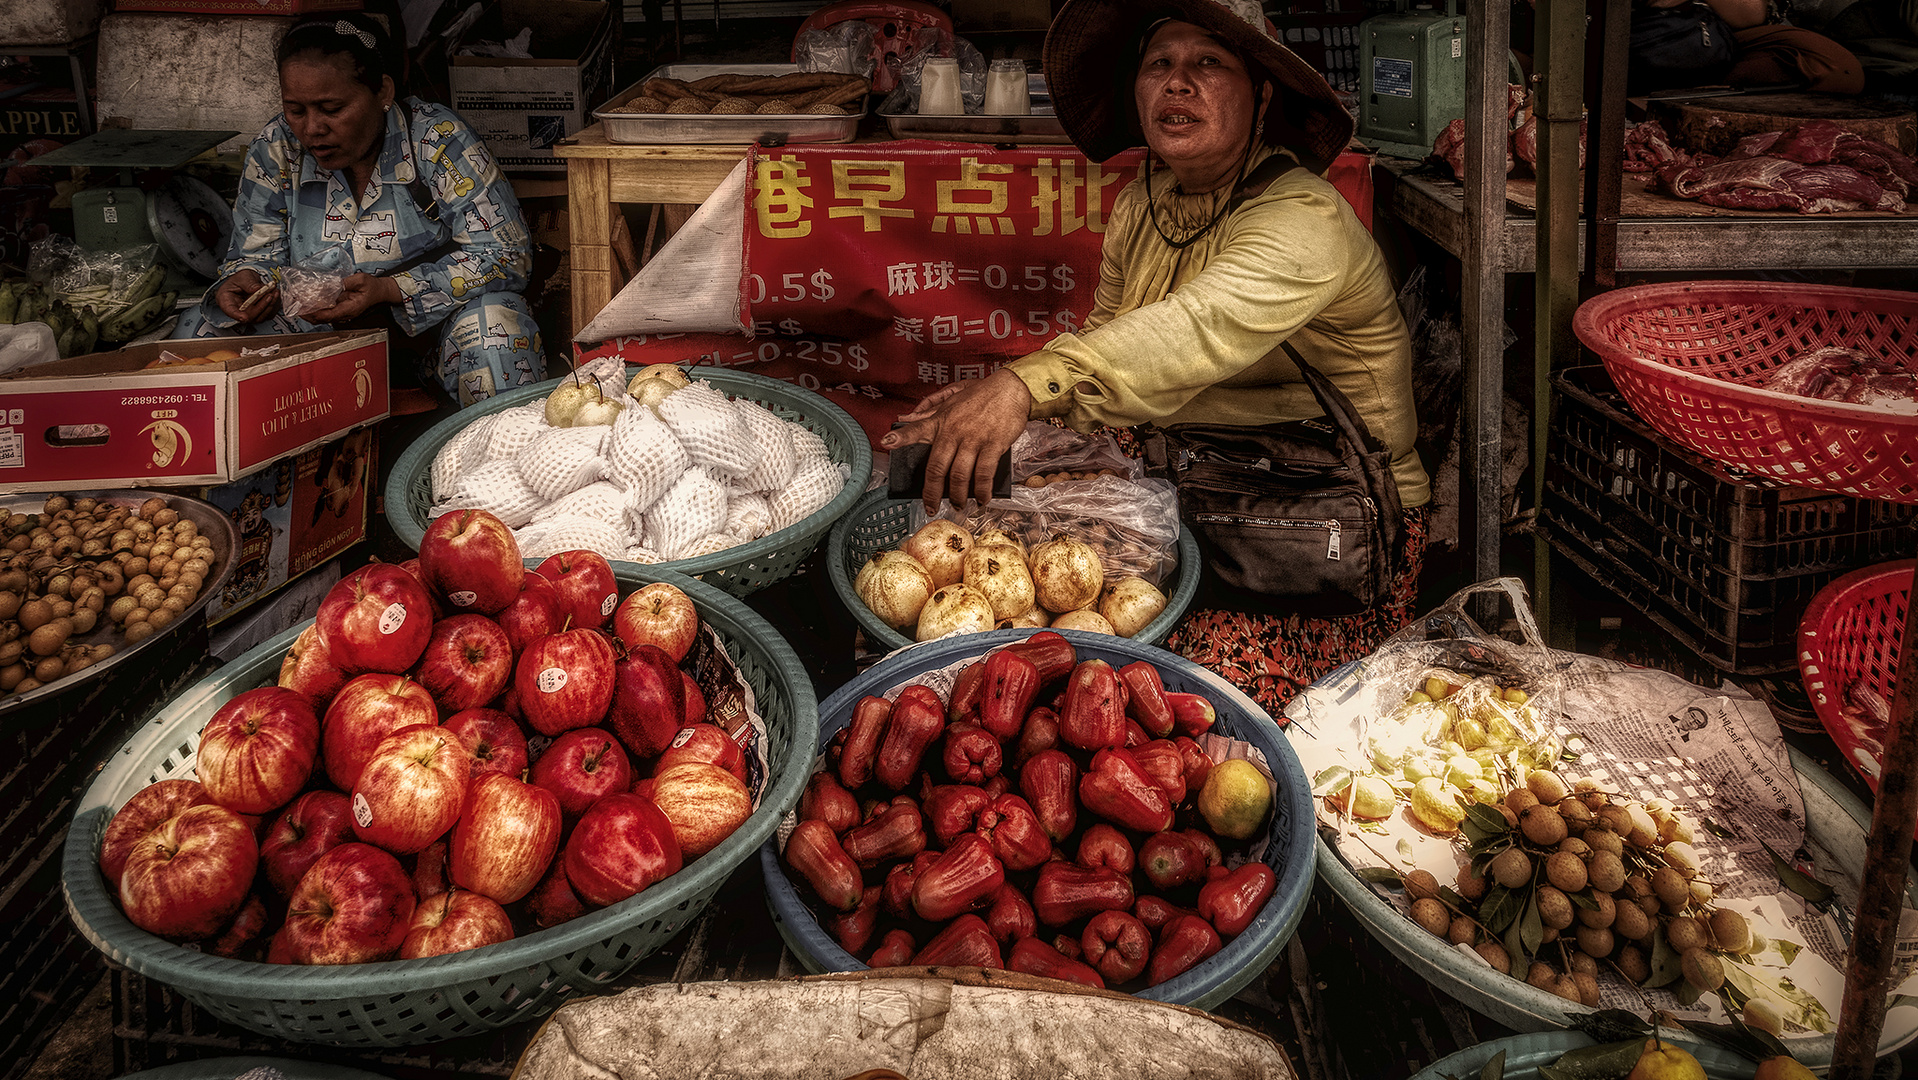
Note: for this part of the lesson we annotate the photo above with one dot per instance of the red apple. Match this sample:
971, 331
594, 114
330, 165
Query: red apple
507, 836
412, 566
658, 614
587, 589
534, 612
649, 700
412, 789
467, 662
643, 787
581, 766
143, 813
622, 845
365, 711
493, 738
376, 618
246, 928
309, 670
353, 906
315, 824
429, 876
704, 742
553, 901
695, 699
471, 558
565, 680
189, 876
704, 802
455, 922
258, 749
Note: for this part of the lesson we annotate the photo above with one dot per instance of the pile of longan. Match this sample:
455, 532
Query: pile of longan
1635, 862
83, 562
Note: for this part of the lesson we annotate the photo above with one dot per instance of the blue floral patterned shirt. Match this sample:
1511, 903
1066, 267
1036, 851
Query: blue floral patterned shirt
289, 208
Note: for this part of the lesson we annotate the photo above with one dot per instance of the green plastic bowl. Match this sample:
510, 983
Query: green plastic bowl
879, 523
1525, 1053
741, 570
408, 1002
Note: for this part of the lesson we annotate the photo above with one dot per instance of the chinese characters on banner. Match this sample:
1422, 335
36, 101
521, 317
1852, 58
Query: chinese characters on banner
875, 275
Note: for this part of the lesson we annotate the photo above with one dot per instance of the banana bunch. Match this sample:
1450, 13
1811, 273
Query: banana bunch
82, 321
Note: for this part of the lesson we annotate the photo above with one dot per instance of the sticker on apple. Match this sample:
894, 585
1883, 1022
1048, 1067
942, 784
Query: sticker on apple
607, 605
392, 618
362, 811
552, 680
463, 598
679, 740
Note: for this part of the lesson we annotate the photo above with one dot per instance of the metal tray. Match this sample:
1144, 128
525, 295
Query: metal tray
705, 128
210, 521
1040, 127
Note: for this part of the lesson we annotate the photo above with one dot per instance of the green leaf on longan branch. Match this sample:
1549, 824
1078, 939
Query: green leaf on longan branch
1531, 927
1665, 963
1380, 875
1494, 1069
1486, 818
1610, 1025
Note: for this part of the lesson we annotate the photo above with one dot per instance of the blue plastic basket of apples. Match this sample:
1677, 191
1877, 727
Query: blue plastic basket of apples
329, 840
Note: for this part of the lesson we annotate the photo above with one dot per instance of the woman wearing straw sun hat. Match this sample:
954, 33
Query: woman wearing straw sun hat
1231, 247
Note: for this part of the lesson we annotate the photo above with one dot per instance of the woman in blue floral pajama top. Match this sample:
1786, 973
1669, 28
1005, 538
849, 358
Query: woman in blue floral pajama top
434, 229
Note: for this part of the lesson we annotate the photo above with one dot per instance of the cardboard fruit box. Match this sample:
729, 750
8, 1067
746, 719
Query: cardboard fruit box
109, 420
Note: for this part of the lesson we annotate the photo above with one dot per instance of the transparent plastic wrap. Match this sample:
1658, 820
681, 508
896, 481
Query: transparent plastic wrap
928, 42
106, 281
1131, 520
314, 283
26, 344
844, 47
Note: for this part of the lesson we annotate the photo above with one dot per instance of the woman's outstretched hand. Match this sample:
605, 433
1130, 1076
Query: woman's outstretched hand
243, 286
357, 293
969, 425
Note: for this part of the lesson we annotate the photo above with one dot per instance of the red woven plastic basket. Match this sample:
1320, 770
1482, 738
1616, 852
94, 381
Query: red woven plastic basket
1850, 634
1684, 354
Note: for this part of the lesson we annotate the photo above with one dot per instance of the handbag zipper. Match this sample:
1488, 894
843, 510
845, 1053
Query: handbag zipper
1331, 525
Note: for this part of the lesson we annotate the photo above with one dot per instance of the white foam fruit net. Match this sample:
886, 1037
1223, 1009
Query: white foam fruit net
601, 500
807, 443
642, 553
514, 431
577, 534
748, 516
473, 454
695, 506
814, 484
710, 544
448, 464
714, 434
496, 488
562, 460
644, 457
777, 458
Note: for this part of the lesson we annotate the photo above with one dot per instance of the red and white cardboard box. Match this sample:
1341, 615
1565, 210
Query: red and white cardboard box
108, 420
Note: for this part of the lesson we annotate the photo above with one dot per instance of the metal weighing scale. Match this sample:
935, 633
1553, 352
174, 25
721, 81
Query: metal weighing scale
1411, 76
188, 220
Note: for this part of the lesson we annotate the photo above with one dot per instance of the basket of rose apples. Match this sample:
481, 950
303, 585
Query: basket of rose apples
464, 793
1066, 804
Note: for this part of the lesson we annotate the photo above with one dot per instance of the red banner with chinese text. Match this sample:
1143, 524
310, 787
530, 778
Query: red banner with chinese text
877, 273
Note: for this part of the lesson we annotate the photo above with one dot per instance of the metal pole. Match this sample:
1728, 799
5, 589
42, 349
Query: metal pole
1881, 890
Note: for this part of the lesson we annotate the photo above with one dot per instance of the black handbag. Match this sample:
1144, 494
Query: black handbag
1296, 517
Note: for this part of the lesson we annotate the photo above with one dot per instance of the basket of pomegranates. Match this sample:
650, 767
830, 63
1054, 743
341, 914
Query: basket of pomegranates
463, 794
905, 582
1065, 804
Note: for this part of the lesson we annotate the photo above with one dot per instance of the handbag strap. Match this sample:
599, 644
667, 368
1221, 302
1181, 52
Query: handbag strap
1338, 408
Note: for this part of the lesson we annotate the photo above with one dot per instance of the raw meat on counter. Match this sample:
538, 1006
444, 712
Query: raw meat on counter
1649, 149
1838, 373
1449, 147
1817, 167
1525, 141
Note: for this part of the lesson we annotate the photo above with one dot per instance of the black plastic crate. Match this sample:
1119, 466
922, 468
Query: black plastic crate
1723, 560
56, 744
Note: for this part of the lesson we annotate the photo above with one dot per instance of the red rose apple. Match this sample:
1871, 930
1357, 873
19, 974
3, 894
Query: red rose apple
315, 824
258, 749
412, 789
376, 618
703, 742
309, 670
658, 614
649, 700
506, 838
581, 766
587, 589
493, 738
143, 813
455, 922
622, 845
704, 802
353, 906
189, 876
365, 711
467, 662
565, 680
471, 558
534, 612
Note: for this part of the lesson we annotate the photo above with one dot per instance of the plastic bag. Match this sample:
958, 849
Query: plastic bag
844, 47
314, 283
930, 41
97, 279
24, 344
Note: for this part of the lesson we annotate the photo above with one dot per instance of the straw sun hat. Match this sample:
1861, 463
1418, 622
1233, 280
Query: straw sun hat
1092, 57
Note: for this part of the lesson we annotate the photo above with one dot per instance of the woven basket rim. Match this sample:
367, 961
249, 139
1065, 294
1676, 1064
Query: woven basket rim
107, 927
1816, 627
416, 460
840, 538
